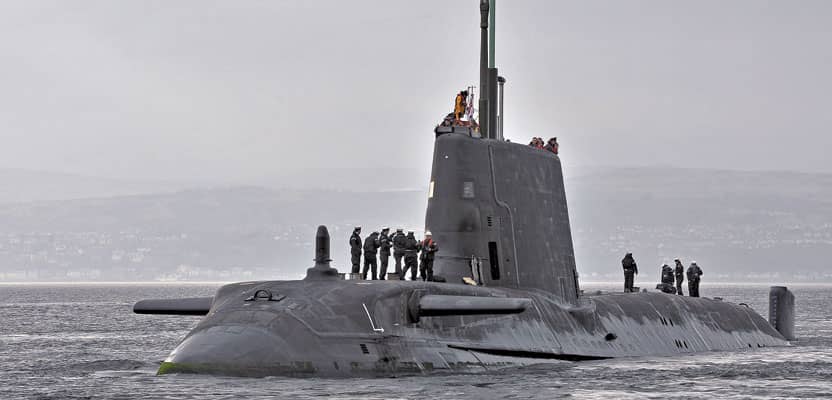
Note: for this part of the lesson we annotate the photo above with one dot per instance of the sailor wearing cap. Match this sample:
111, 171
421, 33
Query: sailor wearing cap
679, 273
385, 243
694, 274
355, 249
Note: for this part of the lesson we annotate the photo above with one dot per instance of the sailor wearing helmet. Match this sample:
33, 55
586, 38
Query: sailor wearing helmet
429, 249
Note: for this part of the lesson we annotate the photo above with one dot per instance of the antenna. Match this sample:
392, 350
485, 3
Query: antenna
484, 95
492, 33
500, 119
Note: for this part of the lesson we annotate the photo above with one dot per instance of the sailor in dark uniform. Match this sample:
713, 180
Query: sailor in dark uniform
694, 274
385, 244
679, 271
667, 279
355, 250
370, 250
399, 241
411, 252
630, 270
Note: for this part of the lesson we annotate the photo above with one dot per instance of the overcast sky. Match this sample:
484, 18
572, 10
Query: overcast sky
235, 90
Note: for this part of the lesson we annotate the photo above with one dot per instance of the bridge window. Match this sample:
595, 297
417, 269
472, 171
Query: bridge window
494, 260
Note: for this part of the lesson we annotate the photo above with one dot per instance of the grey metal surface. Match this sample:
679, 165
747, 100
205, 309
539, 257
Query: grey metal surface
501, 81
492, 39
437, 304
484, 95
493, 132
189, 306
322, 270
781, 311
321, 328
517, 203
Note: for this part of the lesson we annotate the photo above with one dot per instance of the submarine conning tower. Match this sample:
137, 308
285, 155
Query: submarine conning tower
498, 209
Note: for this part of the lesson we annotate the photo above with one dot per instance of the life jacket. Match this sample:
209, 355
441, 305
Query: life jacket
428, 248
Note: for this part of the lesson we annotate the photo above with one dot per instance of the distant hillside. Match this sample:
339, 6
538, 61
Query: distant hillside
20, 186
762, 226
348, 178
206, 234
733, 223
17, 185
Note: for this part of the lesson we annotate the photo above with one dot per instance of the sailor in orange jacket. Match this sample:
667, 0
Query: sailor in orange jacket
460, 104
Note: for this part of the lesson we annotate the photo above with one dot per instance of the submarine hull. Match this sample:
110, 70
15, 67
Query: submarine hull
498, 211
322, 328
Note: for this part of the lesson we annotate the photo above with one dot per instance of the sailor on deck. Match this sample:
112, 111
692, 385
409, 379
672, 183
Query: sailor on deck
667, 279
552, 145
385, 244
411, 253
399, 242
429, 249
371, 245
355, 249
630, 269
694, 274
537, 143
679, 271
460, 104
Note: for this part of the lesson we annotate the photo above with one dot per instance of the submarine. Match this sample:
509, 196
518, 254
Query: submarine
509, 294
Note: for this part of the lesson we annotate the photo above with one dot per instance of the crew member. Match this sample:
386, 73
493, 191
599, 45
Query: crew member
459, 104
385, 244
399, 242
694, 274
667, 279
429, 249
370, 250
411, 251
355, 249
679, 271
464, 103
630, 269
536, 142
552, 145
